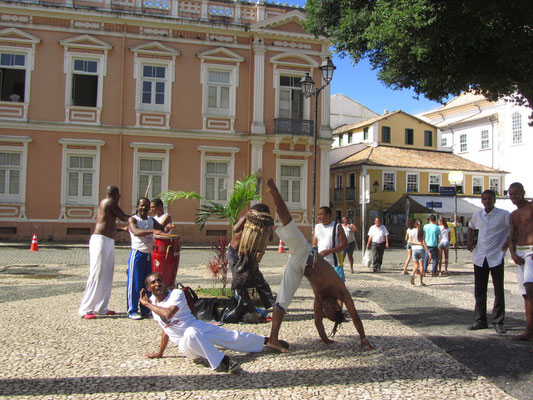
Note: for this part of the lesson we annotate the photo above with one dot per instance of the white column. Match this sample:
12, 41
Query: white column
260, 7
324, 174
258, 125
204, 12
325, 128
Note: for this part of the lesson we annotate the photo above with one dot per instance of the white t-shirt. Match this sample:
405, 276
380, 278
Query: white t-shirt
144, 244
444, 234
378, 234
180, 321
324, 236
493, 232
412, 237
350, 236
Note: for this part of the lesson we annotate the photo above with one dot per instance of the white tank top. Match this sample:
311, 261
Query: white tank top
144, 244
160, 219
324, 236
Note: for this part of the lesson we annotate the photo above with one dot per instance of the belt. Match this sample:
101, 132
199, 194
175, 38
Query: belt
524, 247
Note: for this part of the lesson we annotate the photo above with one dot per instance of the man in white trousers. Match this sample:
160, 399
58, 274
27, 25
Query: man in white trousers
102, 257
194, 338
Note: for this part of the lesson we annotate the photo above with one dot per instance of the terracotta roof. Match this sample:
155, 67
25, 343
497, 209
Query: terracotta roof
389, 156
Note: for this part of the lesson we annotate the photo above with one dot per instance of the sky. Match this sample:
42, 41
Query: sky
360, 83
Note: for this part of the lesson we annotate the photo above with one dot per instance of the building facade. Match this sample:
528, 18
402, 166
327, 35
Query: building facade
495, 134
345, 110
151, 96
397, 154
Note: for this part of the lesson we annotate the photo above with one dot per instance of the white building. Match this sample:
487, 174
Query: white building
344, 110
495, 134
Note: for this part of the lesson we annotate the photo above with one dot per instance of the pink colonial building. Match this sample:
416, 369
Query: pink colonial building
187, 95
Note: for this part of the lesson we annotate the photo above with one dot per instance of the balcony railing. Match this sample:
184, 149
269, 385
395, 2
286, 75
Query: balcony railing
337, 194
239, 12
350, 193
299, 127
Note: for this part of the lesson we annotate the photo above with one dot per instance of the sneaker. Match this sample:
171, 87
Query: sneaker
412, 279
135, 316
422, 284
227, 365
89, 316
110, 312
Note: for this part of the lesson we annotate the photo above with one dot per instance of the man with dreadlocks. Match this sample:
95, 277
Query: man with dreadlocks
326, 284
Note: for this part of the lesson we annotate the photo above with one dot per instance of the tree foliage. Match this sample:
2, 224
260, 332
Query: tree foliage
242, 194
436, 47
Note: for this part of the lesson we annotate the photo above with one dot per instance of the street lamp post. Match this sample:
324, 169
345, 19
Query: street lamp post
306, 84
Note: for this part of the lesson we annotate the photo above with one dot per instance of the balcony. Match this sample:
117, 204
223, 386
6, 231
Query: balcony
297, 127
350, 193
337, 194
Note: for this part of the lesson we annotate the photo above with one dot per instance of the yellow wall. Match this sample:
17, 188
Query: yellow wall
398, 123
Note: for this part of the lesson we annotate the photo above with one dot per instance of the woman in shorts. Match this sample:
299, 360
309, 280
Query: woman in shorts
410, 225
444, 245
418, 244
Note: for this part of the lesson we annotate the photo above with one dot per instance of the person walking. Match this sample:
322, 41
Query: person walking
418, 245
350, 231
330, 240
410, 226
431, 234
378, 238
493, 233
444, 245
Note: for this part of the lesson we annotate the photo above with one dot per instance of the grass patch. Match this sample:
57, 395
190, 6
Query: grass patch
213, 292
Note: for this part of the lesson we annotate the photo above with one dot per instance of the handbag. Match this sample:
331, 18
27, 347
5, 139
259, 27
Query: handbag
206, 309
243, 273
367, 258
235, 311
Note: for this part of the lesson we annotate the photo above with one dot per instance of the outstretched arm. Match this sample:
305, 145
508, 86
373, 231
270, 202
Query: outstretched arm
319, 316
281, 208
162, 347
350, 306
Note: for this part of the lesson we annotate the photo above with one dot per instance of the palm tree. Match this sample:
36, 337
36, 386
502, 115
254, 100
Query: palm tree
243, 193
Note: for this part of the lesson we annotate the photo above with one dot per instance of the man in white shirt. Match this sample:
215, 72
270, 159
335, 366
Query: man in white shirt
493, 233
328, 242
378, 237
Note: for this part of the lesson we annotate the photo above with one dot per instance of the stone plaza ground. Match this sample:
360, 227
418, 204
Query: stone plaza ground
423, 348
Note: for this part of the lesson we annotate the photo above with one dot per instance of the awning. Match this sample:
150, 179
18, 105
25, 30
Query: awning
442, 205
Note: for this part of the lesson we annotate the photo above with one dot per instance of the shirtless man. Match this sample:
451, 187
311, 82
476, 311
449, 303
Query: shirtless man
521, 249
262, 286
327, 286
102, 257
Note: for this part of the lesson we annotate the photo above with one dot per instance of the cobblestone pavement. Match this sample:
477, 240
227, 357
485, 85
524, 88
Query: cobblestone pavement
48, 352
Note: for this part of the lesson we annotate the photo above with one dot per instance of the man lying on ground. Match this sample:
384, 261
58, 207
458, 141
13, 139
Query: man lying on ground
327, 286
194, 338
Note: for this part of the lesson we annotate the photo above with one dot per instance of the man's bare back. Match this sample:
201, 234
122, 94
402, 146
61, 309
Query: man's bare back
107, 214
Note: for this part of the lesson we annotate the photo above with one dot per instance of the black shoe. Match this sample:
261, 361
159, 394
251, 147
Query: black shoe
499, 328
478, 325
226, 365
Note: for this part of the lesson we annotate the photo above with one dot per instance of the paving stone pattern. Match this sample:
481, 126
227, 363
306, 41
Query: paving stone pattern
48, 352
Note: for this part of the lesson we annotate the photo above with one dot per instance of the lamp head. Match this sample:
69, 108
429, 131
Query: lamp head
306, 83
327, 68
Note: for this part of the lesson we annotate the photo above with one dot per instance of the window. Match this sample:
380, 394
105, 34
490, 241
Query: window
477, 184
409, 136
412, 182
12, 77
351, 180
444, 142
460, 189
153, 86
150, 173
484, 140
517, 128
365, 133
291, 98
218, 92
338, 181
291, 183
428, 138
385, 134
340, 140
80, 172
216, 181
389, 181
10, 174
350, 138
434, 183
494, 184
84, 83
462, 143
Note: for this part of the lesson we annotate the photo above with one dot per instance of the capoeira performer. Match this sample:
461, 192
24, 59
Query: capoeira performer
102, 257
521, 249
194, 338
327, 286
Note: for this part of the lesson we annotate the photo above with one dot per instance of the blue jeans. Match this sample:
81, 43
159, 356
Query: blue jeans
434, 250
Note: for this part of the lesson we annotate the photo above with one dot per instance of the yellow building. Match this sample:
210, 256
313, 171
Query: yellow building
399, 154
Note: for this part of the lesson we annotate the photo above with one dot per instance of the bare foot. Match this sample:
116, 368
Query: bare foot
527, 336
404, 272
277, 345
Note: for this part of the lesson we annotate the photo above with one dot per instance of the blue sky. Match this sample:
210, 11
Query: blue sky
361, 84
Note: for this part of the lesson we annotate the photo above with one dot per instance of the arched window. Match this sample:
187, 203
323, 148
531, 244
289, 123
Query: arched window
517, 128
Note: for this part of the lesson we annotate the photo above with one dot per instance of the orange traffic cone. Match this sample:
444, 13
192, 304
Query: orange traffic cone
281, 248
34, 246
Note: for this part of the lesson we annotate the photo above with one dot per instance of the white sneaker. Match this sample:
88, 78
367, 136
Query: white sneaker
135, 316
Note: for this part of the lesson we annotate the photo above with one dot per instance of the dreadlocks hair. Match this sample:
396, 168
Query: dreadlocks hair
339, 319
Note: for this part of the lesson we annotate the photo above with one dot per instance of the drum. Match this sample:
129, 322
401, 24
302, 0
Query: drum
255, 235
166, 257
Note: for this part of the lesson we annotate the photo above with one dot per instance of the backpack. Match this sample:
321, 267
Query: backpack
190, 295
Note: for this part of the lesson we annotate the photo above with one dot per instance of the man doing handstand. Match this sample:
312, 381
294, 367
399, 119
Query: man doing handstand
327, 287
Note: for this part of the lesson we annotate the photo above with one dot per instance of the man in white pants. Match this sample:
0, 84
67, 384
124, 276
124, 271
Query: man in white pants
102, 257
193, 337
